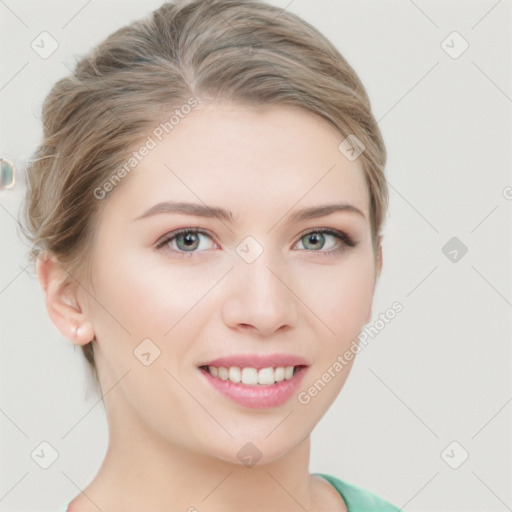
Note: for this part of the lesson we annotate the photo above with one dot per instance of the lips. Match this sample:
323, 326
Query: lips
234, 376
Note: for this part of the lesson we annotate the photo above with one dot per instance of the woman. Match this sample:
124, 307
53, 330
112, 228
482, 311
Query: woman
206, 208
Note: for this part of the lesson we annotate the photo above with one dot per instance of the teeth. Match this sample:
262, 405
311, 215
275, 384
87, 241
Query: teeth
234, 374
264, 376
288, 372
251, 376
222, 373
279, 373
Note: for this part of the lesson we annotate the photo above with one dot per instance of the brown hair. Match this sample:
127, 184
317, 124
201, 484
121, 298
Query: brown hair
243, 51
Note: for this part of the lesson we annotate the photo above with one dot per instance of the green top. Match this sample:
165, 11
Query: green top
356, 498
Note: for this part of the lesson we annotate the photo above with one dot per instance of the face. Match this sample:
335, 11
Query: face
258, 284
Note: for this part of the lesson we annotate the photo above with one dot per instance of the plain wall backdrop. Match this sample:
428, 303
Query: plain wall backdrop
424, 419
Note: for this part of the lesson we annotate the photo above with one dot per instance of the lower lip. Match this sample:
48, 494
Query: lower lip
259, 396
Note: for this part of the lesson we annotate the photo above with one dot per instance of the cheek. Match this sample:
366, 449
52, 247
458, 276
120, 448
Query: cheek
127, 302
149, 296
340, 295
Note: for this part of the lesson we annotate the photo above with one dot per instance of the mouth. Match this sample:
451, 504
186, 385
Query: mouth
255, 388
250, 376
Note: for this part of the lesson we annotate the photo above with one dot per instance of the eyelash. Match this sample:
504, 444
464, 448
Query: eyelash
346, 241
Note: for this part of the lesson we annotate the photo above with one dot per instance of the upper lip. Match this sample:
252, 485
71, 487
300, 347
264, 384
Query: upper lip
257, 361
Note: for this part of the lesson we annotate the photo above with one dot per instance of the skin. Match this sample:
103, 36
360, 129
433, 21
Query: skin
173, 438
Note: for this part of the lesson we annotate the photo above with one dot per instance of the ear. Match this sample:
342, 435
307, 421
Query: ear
63, 307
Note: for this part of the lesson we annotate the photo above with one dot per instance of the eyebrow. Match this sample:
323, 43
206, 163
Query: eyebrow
200, 210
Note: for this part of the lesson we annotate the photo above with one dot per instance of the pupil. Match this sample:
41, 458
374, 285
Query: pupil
314, 238
189, 240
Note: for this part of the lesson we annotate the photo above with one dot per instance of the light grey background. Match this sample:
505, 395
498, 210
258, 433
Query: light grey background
439, 372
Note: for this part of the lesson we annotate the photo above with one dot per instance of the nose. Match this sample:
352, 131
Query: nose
260, 297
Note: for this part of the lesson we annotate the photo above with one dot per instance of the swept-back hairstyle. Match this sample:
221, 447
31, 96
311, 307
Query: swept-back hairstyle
242, 51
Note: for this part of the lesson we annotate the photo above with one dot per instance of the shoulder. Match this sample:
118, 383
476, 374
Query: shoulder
358, 499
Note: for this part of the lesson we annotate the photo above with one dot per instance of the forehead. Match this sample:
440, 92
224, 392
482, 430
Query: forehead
227, 153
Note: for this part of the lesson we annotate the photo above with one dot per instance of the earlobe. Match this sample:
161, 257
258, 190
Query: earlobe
62, 305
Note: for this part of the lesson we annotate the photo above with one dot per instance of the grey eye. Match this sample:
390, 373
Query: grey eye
313, 240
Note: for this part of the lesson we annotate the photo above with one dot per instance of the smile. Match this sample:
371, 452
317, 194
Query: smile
251, 376
276, 388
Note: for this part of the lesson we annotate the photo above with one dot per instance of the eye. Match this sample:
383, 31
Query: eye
187, 241
183, 241
315, 240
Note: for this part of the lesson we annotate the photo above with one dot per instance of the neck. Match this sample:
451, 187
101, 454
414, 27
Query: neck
144, 471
